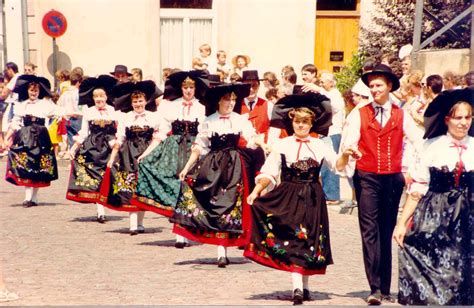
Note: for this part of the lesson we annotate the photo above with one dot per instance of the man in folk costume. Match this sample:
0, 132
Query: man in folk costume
377, 131
259, 114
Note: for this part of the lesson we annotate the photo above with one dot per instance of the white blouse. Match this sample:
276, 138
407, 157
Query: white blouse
438, 152
216, 123
295, 151
91, 114
40, 108
170, 111
129, 119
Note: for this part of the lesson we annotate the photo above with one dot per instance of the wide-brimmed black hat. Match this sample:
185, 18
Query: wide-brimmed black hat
214, 95
214, 79
119, 68
250, 75
174, 81
23, 81
439, 108
382, 69
88, 85
122, 94
318, 103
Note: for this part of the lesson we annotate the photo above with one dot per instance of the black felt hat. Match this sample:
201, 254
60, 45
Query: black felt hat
382, 69
174, 81
439, 108
250, 75
88, 86
318, 103
214, 79
122, 94
23, 81
119, 68
214, 95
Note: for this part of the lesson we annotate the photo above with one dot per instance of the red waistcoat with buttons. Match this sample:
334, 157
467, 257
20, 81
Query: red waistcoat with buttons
258, 116
381, 148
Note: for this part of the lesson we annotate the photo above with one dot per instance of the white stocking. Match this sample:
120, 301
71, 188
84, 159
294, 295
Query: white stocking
28, 193
297, 281
34, 195
306, 282
100, 210
221, 252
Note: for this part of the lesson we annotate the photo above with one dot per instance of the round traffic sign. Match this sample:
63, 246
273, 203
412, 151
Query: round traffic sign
54, 23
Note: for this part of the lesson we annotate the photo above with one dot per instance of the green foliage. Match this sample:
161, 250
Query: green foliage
350, 73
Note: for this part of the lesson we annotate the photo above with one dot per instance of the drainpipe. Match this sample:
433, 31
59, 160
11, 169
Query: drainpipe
4, 35
24, 23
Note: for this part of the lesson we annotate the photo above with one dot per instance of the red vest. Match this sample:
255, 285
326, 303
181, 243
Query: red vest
258, 116
381, 148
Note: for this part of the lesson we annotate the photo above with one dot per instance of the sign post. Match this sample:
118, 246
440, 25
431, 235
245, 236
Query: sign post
54, 24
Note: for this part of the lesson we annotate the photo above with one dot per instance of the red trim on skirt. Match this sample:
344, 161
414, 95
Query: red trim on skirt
83, 196
263, 258
210, 237
146, 204
13, 179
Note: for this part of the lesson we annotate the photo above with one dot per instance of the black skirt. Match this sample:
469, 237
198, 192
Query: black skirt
31, 159
88, 168
436, 262
290, 226
212, 206
120, 180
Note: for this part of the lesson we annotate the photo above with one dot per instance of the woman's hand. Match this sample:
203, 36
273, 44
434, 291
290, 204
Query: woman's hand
183, 173
353, 152
399, 234
141, 157
310, 87
251, 198
110, 163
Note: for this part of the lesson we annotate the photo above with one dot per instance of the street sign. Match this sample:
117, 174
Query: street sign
54, 24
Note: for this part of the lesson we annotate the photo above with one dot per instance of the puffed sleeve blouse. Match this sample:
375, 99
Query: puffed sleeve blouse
40, 108
129, 119
92, 114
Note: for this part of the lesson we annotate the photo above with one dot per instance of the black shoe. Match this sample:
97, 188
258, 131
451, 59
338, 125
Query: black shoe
101, 219
374, 299
388, 298
297, 297
141, 229
179, 245
133, 232
34, 203
222, 262
306, 295
27, 203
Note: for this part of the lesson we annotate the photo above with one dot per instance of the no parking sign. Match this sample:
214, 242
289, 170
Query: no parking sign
54, 24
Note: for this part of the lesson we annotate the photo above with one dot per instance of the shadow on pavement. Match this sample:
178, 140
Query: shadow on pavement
39, 204
213, 261
167, 243
94, 219
315, 295
127, 230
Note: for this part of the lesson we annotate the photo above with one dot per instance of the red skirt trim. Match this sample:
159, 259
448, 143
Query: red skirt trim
146, 204
210, 237
83, 196
263, 258
12, 178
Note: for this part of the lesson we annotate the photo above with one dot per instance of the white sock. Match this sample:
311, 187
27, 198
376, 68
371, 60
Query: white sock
133, 220
100, 210
306, 282
180, 239
221, 252
34, 195
28, 193
297, 281
140, 217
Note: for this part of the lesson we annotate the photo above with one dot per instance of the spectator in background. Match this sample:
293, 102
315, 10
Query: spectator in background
63, 79
241, 63
270, 81
272, 95
30, 68
69, 100
9, 97
205, 56
137, 75
78, 70
285, 74
469, 79
451, 80
197, 64
222, 66
309, 73
121, 73
234, 77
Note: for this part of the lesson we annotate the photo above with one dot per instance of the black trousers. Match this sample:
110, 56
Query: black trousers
378, 197
253, 162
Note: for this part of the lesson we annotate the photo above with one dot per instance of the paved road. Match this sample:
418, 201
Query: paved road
56, 254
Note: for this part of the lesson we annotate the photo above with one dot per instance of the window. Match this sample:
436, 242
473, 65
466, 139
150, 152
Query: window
340, 5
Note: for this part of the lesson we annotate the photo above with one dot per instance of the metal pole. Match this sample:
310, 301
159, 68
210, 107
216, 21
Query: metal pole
24, 24
55, 63
417, 32
4, 35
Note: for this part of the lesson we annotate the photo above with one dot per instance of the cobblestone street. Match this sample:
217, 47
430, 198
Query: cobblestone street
57, 254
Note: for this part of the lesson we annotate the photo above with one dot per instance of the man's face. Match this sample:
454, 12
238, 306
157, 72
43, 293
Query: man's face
308, 76
29, 70
254, 86
121, 77
380, 88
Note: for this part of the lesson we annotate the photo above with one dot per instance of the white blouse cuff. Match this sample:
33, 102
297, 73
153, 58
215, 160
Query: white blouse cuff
272, 184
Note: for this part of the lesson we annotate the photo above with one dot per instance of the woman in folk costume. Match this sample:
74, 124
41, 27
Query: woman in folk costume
290, 227
31, 159
137, 126
212, 208
158, 184
435, 230
93, 143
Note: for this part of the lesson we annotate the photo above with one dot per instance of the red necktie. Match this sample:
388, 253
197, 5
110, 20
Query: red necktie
141, 115
226, 118
187, 104
460, 147
301, 141
102, 110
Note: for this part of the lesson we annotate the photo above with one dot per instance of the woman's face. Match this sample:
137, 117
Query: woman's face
33, 92
302, 126
188, 92
241, 63
406, 65
138, 104
460, 122
100, 98
308, 76
226, 105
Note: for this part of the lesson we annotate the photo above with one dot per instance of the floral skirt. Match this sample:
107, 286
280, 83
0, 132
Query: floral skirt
158, 185
88, 168
435, 266
290, 229
212, 207
31, 159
